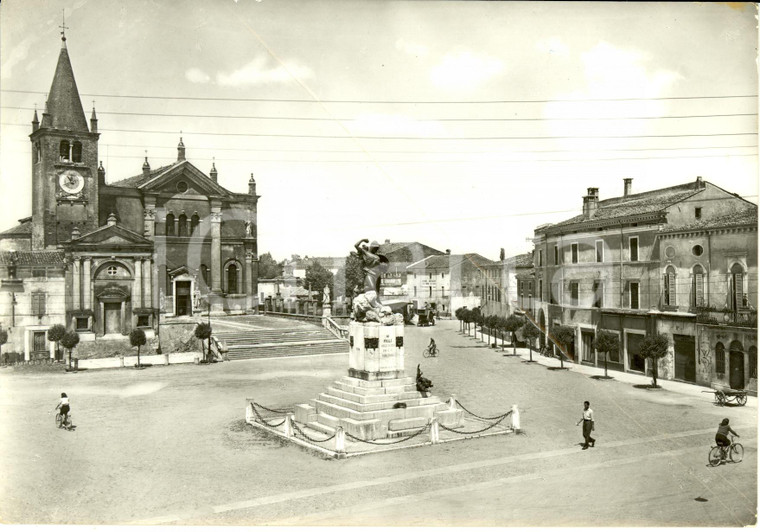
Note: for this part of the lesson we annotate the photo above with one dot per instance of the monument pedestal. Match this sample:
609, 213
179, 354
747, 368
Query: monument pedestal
376, 400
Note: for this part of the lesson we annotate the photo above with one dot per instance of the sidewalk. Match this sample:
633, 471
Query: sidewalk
684, 388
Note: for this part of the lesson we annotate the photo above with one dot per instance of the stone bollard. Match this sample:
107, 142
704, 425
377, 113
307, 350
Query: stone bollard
196, 360
288, 428
249, 413
452, 403
515, 419
76, 364
121, 362
434, 431
340, 441
166, 358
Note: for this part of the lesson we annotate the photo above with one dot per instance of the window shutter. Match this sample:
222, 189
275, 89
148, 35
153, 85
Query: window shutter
699, 290
671, 288
739, 287
627, 295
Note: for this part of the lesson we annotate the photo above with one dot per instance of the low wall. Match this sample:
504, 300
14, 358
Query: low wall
155, 360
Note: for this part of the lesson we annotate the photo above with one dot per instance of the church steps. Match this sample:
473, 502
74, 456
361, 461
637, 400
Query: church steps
283, 350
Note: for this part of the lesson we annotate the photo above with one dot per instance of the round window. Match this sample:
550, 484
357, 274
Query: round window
670, 252
112, 271
181, 186
697, 250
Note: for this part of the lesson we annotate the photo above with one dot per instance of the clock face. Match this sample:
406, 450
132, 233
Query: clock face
71, 181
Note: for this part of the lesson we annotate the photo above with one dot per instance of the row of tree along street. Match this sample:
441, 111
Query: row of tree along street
559, 338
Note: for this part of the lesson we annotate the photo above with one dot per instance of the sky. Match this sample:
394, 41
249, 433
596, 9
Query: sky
461, 125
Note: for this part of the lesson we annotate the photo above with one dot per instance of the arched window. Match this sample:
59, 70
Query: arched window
205, 275
670, 286
752, 362
37, 152
76, 152
182, 225
63, 151
232, 279
194, 221
170, 225
720, 359
737, 296
698, 286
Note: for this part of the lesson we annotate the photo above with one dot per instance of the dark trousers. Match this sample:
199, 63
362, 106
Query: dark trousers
587, 424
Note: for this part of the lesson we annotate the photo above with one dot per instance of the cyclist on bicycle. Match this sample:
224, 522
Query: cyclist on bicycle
721, 437
63, 407
432, 347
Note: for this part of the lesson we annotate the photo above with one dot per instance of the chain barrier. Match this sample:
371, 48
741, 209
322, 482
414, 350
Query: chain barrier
356, 438
262, 420
271, 409
492, 425
297, 429
481, 417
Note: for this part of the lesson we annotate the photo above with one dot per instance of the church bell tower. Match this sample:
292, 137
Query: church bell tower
64, 162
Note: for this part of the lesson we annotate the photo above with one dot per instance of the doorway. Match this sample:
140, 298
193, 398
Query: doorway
587, 351
39, 345
112, 318
184, 298
736, 368
633, 345
686, 361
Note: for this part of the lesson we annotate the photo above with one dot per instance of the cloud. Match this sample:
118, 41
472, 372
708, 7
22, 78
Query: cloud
465, 70
411, 48
260, 71
553, 45
196, 75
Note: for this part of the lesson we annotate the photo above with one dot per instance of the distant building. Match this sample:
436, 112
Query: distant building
508, 286
448, 281
400, 256
680, 260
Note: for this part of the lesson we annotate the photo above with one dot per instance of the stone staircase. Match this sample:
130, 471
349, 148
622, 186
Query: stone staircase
369, 409
264, 343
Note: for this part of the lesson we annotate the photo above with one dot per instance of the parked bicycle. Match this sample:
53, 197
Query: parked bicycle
719, 453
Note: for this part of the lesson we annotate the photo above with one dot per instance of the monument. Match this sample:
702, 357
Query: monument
375, 400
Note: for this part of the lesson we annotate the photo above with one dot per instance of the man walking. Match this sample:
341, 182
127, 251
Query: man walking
587, 418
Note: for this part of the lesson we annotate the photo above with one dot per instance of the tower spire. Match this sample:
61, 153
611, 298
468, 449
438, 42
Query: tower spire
63, 103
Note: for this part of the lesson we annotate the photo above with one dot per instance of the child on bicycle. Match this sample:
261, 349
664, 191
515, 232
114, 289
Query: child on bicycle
721, 437
63, 407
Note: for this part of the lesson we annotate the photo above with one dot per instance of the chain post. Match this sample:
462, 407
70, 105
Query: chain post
515, 419
340, 441
452, 403
249, 413
434, 433
288, 429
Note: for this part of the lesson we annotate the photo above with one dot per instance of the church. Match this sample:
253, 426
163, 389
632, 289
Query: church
103, 257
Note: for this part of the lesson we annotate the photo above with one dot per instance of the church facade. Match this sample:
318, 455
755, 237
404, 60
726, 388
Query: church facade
103, 258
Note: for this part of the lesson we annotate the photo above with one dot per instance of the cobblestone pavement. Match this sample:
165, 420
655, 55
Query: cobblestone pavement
168, 445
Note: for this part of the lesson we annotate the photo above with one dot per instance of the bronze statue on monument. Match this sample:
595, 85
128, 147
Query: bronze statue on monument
367, 305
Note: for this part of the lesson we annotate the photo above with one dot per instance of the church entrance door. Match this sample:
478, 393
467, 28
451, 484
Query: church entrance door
184, 298
112, 318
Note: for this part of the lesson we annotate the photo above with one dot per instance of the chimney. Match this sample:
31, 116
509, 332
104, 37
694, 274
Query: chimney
448, 252
590, 202
627, 186
700, 184
387, 240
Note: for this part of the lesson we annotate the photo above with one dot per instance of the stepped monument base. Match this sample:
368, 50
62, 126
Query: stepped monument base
376, 400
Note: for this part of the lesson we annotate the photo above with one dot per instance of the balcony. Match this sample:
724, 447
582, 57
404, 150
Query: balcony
741, 317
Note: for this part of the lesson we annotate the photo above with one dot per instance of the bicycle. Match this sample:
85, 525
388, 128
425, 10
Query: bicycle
63, 422
719, 453
430, 352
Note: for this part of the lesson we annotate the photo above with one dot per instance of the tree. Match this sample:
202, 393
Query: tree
512, 324
476, 317
604, 342
563, 336
654, 347
268, 267
203, 332
70, 341
55, 334
530, 332
488, 321
500, 326
137, 339
3, 338
353, 274
317, 277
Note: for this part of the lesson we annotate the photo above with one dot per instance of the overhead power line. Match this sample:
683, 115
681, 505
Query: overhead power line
426, 119
376, 137
413, 102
